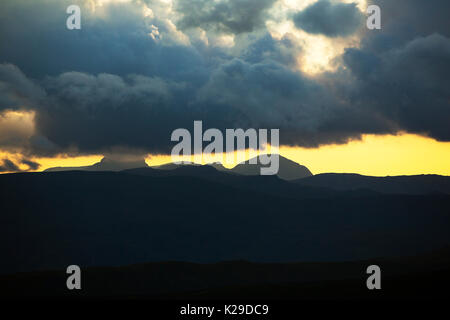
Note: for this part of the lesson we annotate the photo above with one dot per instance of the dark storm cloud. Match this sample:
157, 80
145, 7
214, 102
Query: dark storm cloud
134, 111
329, 18
31, 164
402, 71
409, 85
229, 16
16, 90
413, 18
406, 20
141, 112
34, 37
284, 51
97, 113
8, 165
112, 85
269, 95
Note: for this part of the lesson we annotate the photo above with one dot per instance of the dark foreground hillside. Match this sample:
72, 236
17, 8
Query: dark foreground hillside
421, 277
419, 184
51, 220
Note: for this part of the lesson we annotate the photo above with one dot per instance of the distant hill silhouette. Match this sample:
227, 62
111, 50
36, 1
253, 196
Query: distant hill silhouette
288, 170
172, 166
199, 214
424, 276
264, 184
420, 184
106, 164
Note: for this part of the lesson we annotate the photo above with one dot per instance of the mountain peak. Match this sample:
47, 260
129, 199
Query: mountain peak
288, 170
107, 164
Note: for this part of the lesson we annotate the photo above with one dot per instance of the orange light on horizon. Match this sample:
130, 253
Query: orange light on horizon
374, 155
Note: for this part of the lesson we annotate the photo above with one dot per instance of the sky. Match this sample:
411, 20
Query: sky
345, 98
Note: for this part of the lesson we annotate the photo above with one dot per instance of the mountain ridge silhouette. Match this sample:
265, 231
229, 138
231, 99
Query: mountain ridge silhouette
116, 218
105, 164
289, 170
414, 184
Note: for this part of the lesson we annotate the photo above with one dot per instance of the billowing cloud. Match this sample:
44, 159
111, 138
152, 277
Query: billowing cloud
7, 165
16, 90
117, 83
134, 111
16, 129
265, 48
115, 38
409, 19
332, 19
31, 164
400, 71
228, 16
409, 85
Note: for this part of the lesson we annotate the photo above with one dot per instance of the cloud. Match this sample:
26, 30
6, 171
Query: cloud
115, 38
269, 95
16, 90
16, 128
9, 166
400, 71
409, 19
112, 85
284, 51
329, 18
228, 16
409, 85
31, 164
134, 111
97, 113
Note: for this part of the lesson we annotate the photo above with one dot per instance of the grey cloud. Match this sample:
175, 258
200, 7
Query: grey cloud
103, 112
9, 166
406, 20
31, 164
113, 86
16, 90
34, 37
99, 112
330, 18
413, 18
284, 51
401, 71
229, 16
269, 95
409, 85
